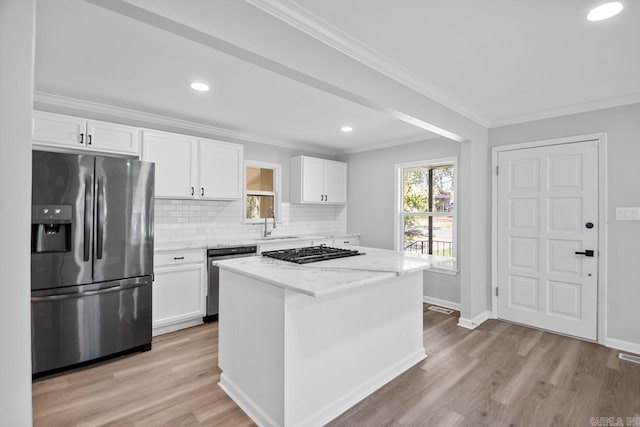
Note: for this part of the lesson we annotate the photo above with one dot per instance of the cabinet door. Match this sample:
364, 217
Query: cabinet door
57, 130
220, 170
335, 181
174, 159
178, 294
312, 180
113, 138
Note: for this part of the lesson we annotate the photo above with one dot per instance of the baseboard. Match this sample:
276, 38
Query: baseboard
176, 326
476, 321
332, 410
441, 302
631, 347
345, 402
245, 403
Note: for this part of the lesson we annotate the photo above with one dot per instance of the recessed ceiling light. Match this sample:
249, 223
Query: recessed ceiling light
605, 11
346, 128
201, 87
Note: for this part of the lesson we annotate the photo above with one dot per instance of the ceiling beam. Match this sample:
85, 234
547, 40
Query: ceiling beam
197, 36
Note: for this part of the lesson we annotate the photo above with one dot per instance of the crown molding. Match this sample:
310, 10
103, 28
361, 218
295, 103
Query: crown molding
314, 26
42, 100
388, 144
572, 109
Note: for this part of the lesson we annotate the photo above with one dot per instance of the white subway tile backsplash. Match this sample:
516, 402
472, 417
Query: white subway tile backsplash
202, 221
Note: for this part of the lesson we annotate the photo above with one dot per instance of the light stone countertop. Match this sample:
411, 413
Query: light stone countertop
182, 246
332, 276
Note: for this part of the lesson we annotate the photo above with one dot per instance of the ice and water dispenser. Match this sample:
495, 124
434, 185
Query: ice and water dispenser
51, 228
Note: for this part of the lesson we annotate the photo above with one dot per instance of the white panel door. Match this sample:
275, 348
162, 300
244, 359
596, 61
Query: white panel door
312, 180
220, 166
335, 181
547, 212
174, 157
113, 138
58, 130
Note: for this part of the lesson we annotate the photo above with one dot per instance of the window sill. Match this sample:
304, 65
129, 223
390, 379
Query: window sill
259, 222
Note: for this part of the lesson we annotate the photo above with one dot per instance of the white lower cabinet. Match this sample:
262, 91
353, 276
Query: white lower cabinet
179, 290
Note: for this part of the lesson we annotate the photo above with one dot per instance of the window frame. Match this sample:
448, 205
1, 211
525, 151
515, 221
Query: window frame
277, 189
399, 201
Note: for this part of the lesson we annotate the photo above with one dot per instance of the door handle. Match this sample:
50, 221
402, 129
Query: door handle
88, 215
77, 294
100, 218
587, 252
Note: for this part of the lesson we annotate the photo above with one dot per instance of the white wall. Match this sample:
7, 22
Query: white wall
622, 125
17, 23
371, 201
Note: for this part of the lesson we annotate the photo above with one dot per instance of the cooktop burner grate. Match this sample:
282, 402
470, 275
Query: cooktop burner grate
311, 254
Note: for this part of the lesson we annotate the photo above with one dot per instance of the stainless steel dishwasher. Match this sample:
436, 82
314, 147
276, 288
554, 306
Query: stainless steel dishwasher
219, 254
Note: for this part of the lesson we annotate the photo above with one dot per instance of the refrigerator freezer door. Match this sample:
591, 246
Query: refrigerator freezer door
124, 219
81, 323
62, 181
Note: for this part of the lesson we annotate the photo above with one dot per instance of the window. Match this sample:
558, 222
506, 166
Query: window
426, 207
262, 186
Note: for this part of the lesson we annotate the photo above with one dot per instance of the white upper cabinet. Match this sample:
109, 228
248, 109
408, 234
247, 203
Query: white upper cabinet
69, 133
113, 138
174, 157
335, 181
220, 169
192, 168
312, 180
58, 130
315, 180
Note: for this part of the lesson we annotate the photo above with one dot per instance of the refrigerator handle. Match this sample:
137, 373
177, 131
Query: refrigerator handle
88, 208
113, 288
100, 218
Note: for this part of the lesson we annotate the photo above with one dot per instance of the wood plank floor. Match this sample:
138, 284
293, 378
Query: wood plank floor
497, 375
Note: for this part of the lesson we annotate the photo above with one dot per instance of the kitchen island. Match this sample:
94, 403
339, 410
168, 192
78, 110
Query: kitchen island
300, 344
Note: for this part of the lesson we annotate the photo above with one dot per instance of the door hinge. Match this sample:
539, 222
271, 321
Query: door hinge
497, 291
497, 170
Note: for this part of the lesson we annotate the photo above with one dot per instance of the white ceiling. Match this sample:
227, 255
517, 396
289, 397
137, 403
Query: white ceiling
493, 61
505, 60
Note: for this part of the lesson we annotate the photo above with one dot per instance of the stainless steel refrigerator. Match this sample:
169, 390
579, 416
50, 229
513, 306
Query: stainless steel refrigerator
91, 258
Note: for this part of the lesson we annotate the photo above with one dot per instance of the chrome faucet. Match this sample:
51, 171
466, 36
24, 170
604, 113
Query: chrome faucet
267, 233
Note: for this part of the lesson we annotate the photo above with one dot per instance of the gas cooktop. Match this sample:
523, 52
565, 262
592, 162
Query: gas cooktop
310, 254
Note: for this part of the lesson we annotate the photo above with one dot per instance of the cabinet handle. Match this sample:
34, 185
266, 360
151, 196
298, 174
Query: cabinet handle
202, 191
326, 198
322, 198
178, 257
89, 138
193, 191
82, 138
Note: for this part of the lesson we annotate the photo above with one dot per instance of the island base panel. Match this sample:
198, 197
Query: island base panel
290, 359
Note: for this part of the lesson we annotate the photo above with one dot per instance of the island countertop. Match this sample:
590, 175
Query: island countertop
332, 276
